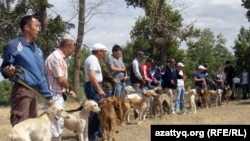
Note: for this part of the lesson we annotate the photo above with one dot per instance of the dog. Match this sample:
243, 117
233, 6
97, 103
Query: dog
190, 98
108, 118
204, 98
142, 105
78, 121
37, 129
130, 93
217, 94
227, 93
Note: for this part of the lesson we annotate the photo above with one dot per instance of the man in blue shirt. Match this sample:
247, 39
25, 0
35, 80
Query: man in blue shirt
23, 52
200, 82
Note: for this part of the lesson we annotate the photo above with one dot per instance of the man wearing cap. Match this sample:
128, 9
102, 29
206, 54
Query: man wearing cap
200, 81
93, 86
135, 72
180, 101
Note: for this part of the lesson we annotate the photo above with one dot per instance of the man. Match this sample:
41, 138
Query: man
57, 75
93, 86
229, 75
135, 73
219, 78
118, 70
170, 82
108, 79
200, 82
180, 98
23, 54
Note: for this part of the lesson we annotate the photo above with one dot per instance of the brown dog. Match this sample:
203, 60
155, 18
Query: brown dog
107, 117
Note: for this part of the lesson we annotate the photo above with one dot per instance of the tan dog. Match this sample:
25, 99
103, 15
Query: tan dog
78, 121
217, 94
204, 98
108, 119
37, 129
142, 105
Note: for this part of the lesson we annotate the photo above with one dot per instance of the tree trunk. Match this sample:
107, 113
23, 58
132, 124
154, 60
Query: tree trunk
77, 55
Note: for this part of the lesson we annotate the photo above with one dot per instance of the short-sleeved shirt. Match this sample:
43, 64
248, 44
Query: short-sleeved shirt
92, 63
56, 66
117, 62
199, 76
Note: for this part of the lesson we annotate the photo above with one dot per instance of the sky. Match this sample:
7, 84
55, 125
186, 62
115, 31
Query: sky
221, 16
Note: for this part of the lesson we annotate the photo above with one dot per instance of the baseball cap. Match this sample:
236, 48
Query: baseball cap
99, 46
141, 53
201, 67
180, 64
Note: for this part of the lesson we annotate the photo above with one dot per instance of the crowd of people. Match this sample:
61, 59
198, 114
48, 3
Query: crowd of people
104, 77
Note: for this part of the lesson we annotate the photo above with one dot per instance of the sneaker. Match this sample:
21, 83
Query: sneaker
173, 113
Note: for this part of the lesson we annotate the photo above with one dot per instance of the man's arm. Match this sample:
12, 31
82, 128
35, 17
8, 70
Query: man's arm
95, 83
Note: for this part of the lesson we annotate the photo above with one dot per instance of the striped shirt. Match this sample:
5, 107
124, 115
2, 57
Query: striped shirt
56, 66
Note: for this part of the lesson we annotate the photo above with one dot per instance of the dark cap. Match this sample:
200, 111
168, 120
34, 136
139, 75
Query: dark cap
140, 53
150, 60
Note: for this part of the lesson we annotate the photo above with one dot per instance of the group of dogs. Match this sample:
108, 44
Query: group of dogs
112, 111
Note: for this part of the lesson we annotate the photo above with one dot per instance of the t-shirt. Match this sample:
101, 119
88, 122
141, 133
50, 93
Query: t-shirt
92, 63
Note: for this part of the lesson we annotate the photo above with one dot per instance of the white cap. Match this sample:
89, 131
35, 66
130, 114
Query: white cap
99, 46
201, 67
180, 64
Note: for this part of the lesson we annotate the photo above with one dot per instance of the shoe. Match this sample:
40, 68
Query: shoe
173, 113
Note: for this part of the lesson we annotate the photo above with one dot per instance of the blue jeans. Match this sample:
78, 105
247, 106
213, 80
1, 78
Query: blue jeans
94, 127
108, 92
119, 89
180, 101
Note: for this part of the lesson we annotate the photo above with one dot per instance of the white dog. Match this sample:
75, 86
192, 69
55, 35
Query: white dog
78, 121
130, 93
37, 129
190, 98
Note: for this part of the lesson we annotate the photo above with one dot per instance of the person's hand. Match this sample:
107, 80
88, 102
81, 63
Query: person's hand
155, 81
9, 70
143, 82
172, 82
50, 102
72, 94
101, 93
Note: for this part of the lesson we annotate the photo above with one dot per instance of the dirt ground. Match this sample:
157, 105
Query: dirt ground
237, 112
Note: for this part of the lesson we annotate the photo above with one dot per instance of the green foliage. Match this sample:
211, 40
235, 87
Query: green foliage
246, 4
242, 49
5, 88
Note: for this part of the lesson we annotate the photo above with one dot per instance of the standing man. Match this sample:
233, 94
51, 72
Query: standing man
200, 82
23, 53
57, 75
135, 73
229, 74
118, 70
108, 79
180, 98
93, 86
170, 82
219, 78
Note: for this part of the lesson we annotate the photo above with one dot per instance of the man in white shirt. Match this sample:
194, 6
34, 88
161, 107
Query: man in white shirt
93, 86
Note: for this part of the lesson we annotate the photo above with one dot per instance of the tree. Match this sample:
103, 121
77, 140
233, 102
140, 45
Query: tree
246, 4
242, 49
161, 28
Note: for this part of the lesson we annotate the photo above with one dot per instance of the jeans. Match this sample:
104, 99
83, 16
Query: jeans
119, 89
94, 127
180, 101
108, 92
